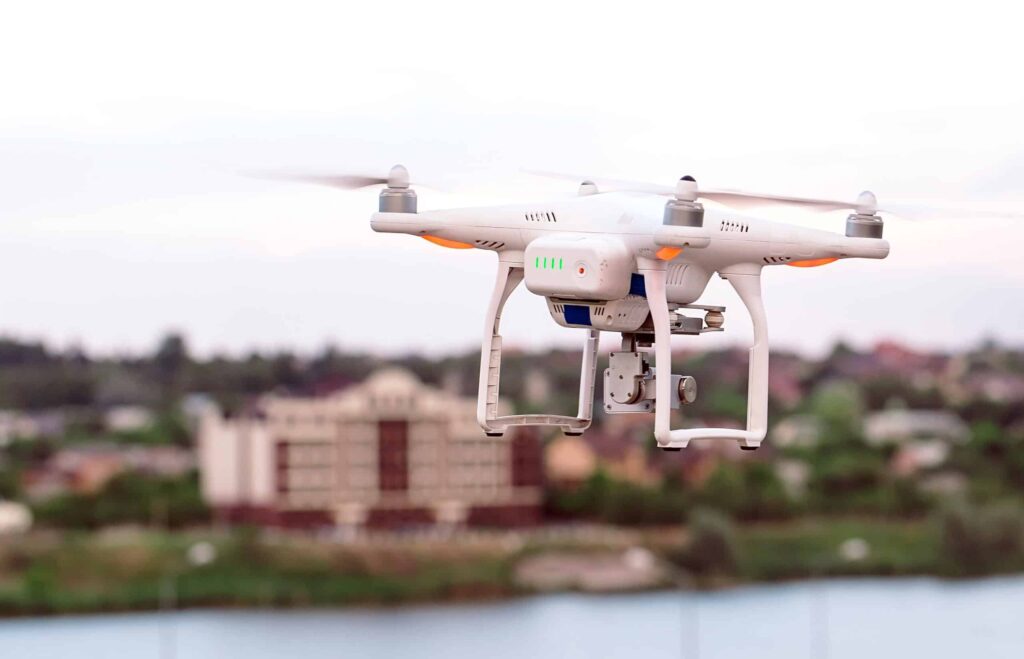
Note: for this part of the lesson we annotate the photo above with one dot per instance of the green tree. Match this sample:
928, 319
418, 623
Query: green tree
170, 361
985, 539
711, 549
840, 408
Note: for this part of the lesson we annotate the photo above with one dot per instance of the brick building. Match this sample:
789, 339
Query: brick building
386, 453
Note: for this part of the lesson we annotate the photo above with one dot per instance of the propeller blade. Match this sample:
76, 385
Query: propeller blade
343, 182
398, 177
607, 184
737, 199
741, 200
925, 212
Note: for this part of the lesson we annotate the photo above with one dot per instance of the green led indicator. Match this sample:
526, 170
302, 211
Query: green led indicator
536, 262
545, 263
559, 264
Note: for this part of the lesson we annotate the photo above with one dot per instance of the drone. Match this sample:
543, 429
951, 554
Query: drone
632, 259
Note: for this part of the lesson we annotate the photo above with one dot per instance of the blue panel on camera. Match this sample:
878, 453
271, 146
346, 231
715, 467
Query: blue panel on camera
576, 314
637, 286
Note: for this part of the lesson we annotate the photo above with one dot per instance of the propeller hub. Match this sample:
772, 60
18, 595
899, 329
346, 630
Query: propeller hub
686, 189
398, 177
867, 203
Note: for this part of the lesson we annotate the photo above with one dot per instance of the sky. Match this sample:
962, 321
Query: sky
125, 130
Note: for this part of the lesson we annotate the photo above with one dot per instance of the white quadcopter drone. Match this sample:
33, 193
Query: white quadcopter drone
619, 258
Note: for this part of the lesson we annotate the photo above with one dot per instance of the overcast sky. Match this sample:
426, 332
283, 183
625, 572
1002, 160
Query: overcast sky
123, 130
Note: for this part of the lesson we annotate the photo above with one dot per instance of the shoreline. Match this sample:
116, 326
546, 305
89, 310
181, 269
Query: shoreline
735, 588
127, 570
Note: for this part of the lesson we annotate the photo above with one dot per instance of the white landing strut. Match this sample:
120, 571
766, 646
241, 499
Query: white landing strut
510, 274
747, 282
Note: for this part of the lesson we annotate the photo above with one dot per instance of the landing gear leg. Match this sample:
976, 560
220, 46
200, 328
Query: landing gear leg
510, 274
747, 283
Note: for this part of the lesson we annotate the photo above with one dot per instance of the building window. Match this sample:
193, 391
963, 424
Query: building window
527, 459
393, 455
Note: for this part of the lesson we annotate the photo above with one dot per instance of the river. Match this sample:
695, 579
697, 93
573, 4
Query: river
841, 618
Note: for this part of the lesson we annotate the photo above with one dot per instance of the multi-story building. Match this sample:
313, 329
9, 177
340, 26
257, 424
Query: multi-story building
389, 452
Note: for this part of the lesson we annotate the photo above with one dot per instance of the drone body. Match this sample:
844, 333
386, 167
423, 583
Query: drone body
629, 262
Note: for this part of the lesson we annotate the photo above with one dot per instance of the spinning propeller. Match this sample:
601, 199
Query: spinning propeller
397, 178
866, 204
685, 190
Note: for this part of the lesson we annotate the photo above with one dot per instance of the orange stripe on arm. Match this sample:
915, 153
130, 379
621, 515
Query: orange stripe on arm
812, 263
668, 253
444, 242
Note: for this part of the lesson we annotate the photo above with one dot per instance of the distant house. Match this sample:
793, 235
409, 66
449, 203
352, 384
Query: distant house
919, 455
924, 437
797, 431
537, 387
983, 376
794, 475
901, 425
17, 424
127, 418
389, 452
784, 380
87, 469
195, 406
887, 360
15, 518
996, 386
569, 461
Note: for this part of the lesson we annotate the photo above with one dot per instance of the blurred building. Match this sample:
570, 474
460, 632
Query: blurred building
797, 431
194, 407
924, 440
86, 469
15, 518
386, 453
570, 461
127, 418
896, 426
17, 424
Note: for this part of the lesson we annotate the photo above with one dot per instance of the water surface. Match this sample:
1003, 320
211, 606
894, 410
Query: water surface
855, 619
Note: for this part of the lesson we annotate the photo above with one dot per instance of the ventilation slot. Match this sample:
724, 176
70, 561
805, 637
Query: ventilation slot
599, 311
489, 244
540, 217
675, 274
777, 259
728, 225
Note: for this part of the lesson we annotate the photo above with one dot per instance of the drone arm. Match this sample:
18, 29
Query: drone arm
747, 284
510, 274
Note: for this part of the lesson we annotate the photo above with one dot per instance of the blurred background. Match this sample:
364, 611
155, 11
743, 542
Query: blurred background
237, 422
